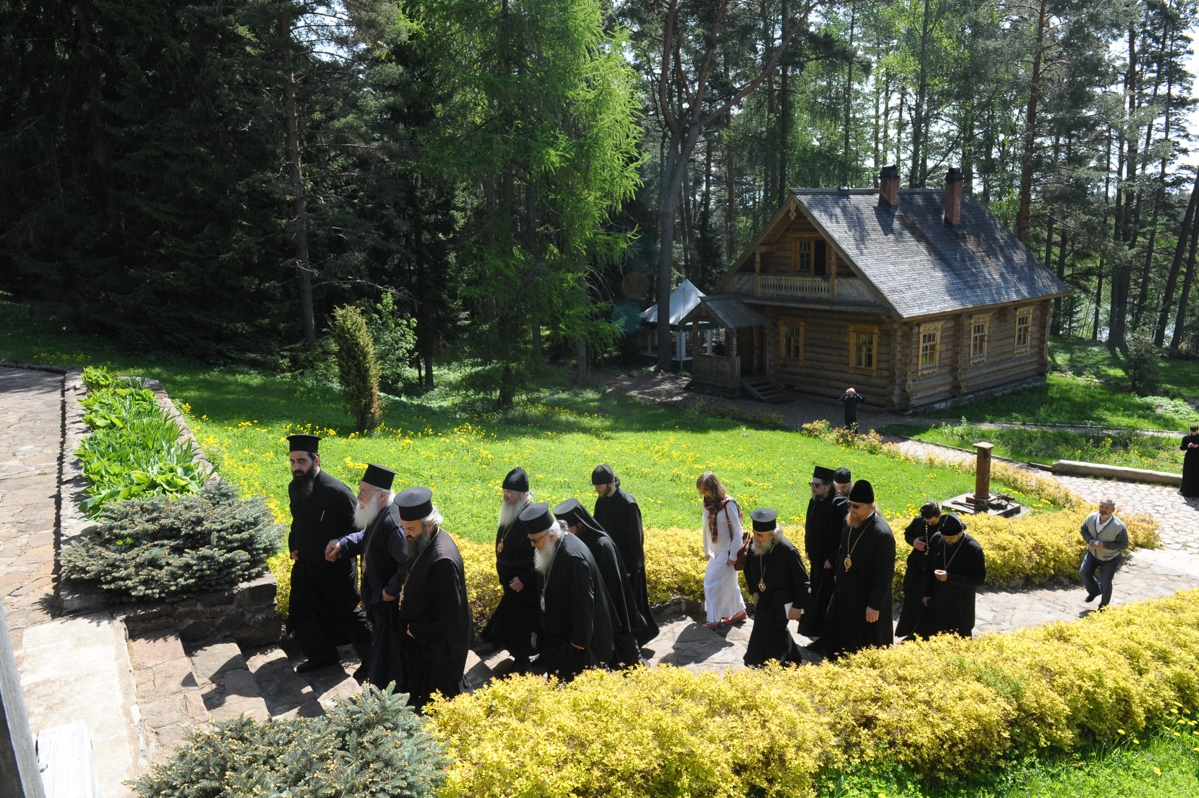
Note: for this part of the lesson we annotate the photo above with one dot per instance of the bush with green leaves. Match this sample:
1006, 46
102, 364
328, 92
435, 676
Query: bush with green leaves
134, 449
357, 368
162, 547
394, 337
1142, 365
369, 745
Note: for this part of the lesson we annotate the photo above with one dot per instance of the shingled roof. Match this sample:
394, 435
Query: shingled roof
920, 265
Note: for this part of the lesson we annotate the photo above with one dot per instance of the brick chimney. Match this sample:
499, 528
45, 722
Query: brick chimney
953, 197
888, 186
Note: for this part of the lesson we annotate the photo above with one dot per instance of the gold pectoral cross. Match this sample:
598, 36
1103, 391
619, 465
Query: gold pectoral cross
499, 547
762, 585
848, 562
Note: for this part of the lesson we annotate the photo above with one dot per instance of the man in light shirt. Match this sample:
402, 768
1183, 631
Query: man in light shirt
1106, 538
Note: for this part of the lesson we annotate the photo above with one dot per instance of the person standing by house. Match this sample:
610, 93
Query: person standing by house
860, 613
514, 621
324, 610
722, 540
1106, 538
956, 567
851, 399
822, 536
778, 582
381, 544
617, 512
1190, 463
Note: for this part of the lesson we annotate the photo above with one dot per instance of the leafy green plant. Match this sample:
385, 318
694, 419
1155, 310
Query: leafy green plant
357, 368
394, 338
369, 745
159, 547
1142, 364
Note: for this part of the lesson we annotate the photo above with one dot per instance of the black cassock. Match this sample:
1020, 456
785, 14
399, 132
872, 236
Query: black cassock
786, 582
866, 583
515, 620
383, 566
1190, 467
620, 517
951, 605
822, 536
913, 576
575, 611
323, 612
434, 609
620, 594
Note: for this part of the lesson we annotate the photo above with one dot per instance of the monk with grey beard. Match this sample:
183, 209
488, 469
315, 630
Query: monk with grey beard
434, 616
514, 621
778, 582
576, 616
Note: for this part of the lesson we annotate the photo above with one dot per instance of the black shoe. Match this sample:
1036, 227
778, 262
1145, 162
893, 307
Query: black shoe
308, 665
360, 674
1090, 597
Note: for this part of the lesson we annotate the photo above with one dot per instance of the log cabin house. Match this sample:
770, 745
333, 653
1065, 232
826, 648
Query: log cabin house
915, 297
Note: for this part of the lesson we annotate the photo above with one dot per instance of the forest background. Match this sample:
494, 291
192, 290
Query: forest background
511, 181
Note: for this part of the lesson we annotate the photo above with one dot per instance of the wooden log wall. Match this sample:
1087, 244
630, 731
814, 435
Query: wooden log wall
825, 369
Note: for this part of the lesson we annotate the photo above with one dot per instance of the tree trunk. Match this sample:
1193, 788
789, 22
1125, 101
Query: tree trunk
1187, 283
299, 207
1098, 302
584, 375
675, 159
1030, 130
1055, 326
1188, 221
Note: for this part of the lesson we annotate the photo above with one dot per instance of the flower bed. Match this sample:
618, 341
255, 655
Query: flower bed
945, 706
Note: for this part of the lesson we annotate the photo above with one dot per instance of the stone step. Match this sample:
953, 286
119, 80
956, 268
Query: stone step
286, 693
228, 688
168, 696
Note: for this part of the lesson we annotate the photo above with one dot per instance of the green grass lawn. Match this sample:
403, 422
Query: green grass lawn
1127, 449
1087, 386
461, 448
1160, 765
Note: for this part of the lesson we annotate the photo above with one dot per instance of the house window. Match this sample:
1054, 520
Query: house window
791, 340
712, 342
1023, 328
978, 337
863, 349
802, 255
930, 343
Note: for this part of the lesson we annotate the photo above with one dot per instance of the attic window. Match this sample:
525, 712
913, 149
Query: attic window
801, 255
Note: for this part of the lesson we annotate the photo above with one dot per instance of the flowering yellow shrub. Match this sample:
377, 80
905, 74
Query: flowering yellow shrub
941, 706
482, 584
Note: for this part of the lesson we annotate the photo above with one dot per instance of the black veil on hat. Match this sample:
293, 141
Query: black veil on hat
572, 512
379, 477
862, 492
536, 518
416, 504
517, 480
303, 443
765, 520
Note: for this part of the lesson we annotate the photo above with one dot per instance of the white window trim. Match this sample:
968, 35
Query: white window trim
933, 327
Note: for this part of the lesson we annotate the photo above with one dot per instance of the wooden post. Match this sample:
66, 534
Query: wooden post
758, 272
982, 477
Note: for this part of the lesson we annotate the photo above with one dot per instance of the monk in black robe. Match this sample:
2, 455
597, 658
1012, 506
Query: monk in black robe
576, 616
860, 613
919, 534
956, 568
778, 582
617, 512
579, 523
1190, 463
323, 612
434, 615
822, 537
515, 620
381, 545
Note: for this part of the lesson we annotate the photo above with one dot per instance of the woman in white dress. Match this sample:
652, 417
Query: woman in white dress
722, 539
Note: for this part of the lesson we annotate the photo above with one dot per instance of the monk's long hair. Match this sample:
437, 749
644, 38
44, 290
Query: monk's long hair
710, 482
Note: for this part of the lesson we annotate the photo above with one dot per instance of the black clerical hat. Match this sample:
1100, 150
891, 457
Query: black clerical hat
568, 511
862, 492
603, 475
303, 443
378, 476
517, 480
952, 525
841, 476
764, 520
823, 474
416, 504
536, 518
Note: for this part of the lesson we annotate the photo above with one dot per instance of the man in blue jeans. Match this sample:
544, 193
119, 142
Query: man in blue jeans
1106, 538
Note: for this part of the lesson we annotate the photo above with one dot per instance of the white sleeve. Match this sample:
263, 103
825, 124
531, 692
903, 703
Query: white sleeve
705, 534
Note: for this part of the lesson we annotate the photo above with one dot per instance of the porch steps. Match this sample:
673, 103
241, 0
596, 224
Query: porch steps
764, 390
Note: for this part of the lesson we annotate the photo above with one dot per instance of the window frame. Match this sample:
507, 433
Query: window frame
863, 329
1028, 310
797, 252
791, 324
934, 329
985, 320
